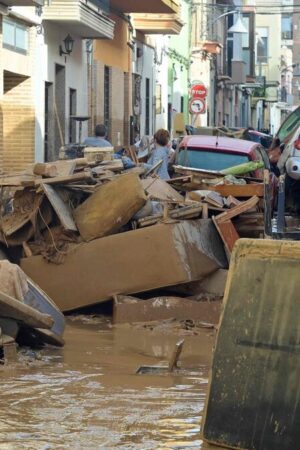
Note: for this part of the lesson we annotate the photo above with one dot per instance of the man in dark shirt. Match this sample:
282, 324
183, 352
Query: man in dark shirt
99, 139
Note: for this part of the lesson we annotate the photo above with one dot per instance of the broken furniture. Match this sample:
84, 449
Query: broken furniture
130, 262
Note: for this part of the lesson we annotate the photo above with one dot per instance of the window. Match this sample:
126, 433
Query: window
147, 118
262, 45
209, 160
72, 112
158, 98
289, 125
181, 104
286, 26
15, 36
106, 96
246, 51
245, 36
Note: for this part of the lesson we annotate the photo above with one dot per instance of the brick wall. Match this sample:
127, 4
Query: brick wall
18, 122
1, 99
18, 112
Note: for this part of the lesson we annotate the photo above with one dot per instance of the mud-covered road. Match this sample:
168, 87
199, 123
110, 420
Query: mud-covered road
88, 396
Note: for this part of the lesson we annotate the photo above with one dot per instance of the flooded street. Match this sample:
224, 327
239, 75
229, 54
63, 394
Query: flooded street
87, 395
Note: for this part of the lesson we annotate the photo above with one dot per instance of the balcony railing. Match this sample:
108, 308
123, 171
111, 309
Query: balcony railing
158, 23
85, 18
103, 5
22, 2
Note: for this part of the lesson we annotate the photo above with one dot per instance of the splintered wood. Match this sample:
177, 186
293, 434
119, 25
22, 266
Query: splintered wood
224, 225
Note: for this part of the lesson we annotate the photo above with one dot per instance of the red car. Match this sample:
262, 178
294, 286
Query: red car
218, 153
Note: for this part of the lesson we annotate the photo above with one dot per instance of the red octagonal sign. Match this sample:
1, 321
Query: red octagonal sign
198, 91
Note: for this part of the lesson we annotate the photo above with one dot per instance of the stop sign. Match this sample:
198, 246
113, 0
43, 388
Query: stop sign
198, 90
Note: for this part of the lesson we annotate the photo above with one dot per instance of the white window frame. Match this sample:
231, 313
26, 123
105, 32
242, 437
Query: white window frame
17, 26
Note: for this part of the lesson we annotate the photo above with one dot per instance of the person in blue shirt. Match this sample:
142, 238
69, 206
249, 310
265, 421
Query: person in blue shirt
99, 139
160, 152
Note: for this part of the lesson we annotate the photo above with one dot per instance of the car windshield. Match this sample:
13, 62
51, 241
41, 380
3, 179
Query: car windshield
289, 125
209, 160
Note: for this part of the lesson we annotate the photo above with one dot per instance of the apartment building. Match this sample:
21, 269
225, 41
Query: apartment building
43, 66
18, 97
124, 78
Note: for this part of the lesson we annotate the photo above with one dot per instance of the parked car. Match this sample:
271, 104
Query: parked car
218, 153
285, 148
256, 136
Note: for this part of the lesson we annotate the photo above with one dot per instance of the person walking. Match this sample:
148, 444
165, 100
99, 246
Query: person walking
160, 152
99, 140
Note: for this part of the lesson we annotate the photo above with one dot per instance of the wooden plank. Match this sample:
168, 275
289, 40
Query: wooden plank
132, 154
61, 208
66, 167
237, 210
14, 309
200, 172
81, 176
115, 166
45, 170
232, 201
175, 356
227, 233
237, 190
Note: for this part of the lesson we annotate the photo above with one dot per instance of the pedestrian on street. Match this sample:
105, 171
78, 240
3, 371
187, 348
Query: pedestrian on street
160, 152
99, 140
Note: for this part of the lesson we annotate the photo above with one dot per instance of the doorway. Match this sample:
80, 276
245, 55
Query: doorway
72, 112
59, 108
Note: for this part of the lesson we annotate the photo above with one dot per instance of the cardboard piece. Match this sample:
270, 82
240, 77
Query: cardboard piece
253, 401
158, 189
130, 262
110, 207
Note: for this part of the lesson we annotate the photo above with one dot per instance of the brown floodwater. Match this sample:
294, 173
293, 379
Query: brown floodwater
88, 396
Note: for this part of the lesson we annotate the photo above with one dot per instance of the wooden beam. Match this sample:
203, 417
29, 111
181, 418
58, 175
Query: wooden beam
227, 233
81, 176
237, 210
236, 190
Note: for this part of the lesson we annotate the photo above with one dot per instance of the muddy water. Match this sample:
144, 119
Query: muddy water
87, 395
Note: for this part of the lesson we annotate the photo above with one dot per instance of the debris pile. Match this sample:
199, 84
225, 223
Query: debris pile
92, 221
234, 202
26, 314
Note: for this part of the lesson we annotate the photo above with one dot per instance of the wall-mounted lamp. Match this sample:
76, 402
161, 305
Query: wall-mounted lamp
131, 45
68, 44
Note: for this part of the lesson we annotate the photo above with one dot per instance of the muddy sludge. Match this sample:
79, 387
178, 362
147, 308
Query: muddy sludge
87, 395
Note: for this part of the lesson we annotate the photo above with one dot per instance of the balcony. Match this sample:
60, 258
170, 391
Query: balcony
146, 6
157, 23
83, 18
22, 2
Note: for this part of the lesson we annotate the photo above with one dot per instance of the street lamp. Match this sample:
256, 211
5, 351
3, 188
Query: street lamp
237, 27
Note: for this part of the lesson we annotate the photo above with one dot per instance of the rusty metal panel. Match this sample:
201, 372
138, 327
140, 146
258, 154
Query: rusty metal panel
254, 392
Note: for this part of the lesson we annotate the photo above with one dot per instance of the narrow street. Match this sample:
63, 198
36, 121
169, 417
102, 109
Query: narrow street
87, 395
149, 224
